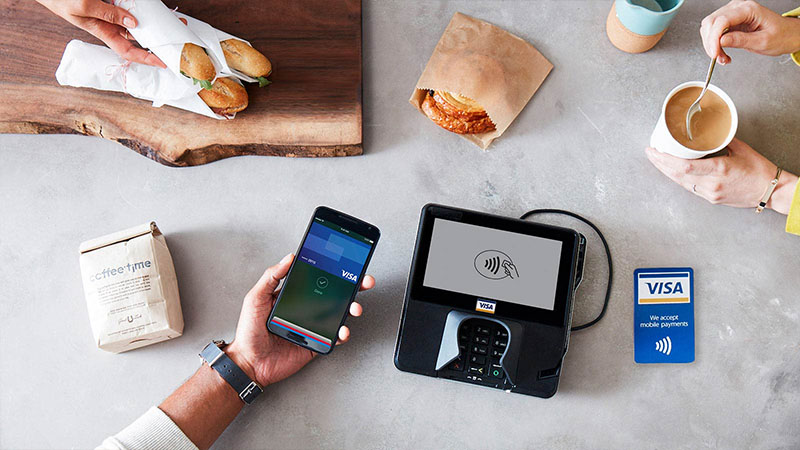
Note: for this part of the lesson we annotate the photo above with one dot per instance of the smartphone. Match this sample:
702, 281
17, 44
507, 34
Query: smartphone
323, 280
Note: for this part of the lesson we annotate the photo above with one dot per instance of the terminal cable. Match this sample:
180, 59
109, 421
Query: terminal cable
608, 257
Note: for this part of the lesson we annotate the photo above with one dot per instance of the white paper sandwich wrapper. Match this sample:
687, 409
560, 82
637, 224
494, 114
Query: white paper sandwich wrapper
97, 67
159, 30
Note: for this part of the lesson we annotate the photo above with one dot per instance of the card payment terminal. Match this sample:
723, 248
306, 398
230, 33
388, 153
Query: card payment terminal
489, 300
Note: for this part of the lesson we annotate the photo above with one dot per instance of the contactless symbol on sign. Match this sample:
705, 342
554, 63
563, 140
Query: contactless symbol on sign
664, 346
495, 265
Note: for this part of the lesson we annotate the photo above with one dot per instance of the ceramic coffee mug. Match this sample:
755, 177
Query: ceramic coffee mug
635, 26
663, 141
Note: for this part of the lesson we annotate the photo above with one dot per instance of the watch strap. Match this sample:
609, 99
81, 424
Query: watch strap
216, 358
768, 193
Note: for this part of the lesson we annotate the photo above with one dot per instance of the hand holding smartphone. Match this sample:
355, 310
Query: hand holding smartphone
323, 280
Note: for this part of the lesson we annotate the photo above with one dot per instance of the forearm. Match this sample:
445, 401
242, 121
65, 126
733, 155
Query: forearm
781, 200
203, 406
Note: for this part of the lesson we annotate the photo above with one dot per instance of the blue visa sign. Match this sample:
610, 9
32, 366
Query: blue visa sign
663, 315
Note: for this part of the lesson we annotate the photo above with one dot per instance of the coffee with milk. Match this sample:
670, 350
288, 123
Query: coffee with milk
710, 126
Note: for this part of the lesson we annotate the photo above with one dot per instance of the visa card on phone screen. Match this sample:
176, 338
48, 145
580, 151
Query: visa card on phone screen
663, 315
323, 280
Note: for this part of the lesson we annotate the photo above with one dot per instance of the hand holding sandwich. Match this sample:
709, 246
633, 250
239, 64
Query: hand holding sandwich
105, 22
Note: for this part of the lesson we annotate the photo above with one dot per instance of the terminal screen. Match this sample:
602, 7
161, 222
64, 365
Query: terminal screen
493, 264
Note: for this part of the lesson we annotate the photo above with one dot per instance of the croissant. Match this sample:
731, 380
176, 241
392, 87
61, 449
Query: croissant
456, 113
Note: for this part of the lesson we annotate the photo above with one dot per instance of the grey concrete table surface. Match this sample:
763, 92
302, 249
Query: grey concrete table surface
578, 145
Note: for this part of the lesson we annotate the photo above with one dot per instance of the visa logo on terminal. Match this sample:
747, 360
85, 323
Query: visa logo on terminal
485, 306
663, 288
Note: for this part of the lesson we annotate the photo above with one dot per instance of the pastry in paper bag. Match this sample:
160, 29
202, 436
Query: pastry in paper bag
478, 79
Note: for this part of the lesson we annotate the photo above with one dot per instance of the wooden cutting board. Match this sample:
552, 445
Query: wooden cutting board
312, 108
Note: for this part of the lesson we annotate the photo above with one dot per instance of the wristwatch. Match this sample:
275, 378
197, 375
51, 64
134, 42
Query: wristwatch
216, 358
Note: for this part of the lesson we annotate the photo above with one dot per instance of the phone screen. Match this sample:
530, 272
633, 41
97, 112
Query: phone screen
322, 282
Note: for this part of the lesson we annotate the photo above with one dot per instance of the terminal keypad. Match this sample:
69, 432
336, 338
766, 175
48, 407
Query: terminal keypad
482, 344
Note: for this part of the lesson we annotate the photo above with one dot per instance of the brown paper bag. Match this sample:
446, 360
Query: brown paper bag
487, 64
131, 289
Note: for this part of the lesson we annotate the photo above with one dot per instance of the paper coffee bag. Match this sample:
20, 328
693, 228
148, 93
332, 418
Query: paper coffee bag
131, 289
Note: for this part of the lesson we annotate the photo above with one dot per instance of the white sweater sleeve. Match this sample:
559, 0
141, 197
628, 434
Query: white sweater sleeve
154, 430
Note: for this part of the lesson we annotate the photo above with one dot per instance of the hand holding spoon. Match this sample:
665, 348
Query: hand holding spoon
695, 108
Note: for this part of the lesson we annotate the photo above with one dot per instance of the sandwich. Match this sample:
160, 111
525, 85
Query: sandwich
196, 64
456, 113
226, 97
246, 59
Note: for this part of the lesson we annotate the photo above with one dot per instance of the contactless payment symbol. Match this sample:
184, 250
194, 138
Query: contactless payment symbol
664, 346
663, 315
495, 265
